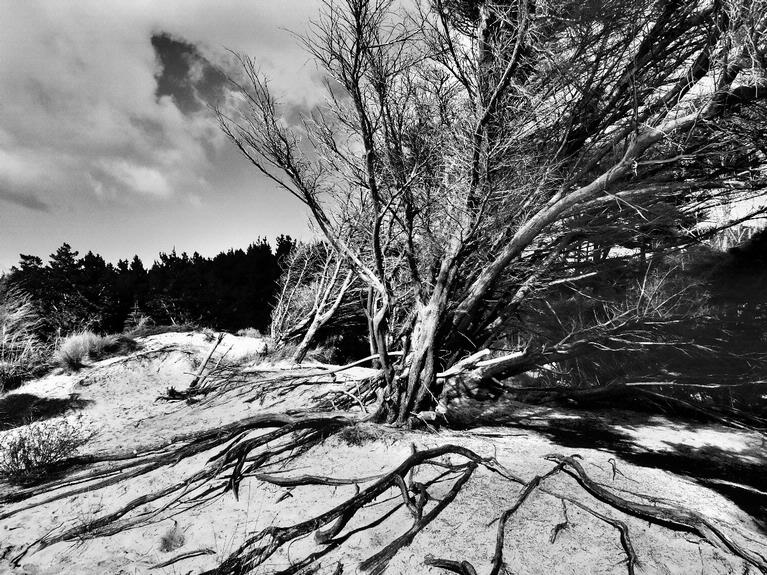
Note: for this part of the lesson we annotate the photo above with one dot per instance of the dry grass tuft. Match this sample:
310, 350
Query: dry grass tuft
250, 332
208, 334
358, 435
22, 354
29, 454
76, 350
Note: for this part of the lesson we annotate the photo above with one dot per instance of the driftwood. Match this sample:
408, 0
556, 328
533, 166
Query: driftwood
198, 377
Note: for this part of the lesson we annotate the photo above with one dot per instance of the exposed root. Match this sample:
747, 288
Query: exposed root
260, 547
559, 527
628, 548
674, 517
183, 557
460, 567
301, 431
243, 455
497, 563
232, 383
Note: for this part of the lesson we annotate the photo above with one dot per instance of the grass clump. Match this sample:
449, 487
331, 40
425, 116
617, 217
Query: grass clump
358, 435
22, 353
76, 350
250, 332
172, 539
209, 334
29, 454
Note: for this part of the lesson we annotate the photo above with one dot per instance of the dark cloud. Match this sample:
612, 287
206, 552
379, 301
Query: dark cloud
186, 75
24, 199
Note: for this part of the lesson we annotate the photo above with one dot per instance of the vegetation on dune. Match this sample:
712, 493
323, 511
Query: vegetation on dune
51, 313
515, 200
76, 350
31, 453
22, 353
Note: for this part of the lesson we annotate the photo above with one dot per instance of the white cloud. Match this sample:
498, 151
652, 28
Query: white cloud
77, 86
17, 167
137, 178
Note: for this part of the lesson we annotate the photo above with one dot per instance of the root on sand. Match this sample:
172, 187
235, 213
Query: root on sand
241, 454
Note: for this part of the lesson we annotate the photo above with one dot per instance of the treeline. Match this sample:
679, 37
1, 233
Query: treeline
231, 291
237, 289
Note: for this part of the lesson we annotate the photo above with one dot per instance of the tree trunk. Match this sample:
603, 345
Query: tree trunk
421, 373
321, 315
306, 341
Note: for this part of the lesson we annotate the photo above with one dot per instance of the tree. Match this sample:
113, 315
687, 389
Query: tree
506, 179
230, 291
471, 155
284, 246
313, 287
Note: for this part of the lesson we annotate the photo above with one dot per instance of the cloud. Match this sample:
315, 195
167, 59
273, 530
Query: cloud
133, 177
24, 199
186, 75
18, 173
109, 99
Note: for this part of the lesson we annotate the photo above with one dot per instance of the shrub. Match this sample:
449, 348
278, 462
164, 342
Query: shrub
28, 454
325, 352
250, 332
21, 351
76, 349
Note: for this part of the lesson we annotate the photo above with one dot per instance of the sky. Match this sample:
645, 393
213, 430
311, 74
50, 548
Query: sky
107, 141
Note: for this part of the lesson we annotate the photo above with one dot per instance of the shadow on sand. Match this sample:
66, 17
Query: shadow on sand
17, 409
738, 474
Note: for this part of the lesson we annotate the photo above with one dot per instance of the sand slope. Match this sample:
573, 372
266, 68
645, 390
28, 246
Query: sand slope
116, 400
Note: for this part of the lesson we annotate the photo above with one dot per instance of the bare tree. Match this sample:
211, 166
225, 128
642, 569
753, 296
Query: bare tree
503, 178
313, 286
472, 156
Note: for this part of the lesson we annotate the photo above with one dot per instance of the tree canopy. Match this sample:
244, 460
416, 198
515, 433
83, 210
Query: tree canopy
232, 290
477, 162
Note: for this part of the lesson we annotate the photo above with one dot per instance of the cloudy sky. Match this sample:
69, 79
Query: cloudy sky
106, 139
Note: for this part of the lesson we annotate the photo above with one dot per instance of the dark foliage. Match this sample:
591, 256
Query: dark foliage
709, 346
231, 291
738, 281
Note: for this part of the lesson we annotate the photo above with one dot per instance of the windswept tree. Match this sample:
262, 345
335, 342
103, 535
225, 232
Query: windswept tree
503, 179
472, 158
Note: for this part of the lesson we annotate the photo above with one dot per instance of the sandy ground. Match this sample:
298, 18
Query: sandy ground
117, 403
